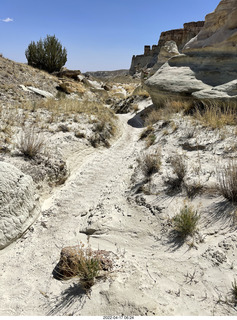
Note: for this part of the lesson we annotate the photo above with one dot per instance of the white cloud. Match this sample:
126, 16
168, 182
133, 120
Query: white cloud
7, 20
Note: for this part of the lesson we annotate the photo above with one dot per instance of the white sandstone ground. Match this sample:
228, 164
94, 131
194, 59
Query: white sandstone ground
153, 275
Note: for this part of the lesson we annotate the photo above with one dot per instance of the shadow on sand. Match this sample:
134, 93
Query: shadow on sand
224, 213
175, 241
136, 122
74, 295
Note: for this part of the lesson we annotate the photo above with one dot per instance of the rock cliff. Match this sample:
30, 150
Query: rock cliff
208, 66
180, 36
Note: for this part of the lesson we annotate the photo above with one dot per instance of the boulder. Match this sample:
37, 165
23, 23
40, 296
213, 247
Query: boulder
40, 92
80, 77
225, 91
208, 66
69, 86
176, 80
74, 256
18, 208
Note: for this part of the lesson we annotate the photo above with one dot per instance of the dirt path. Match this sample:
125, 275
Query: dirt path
92, 198
151, 276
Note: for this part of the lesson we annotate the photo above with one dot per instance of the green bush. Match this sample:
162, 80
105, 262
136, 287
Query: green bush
185, 223
46, 54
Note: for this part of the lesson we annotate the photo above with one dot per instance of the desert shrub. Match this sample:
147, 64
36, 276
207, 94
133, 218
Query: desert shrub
88, 267
146, 132
30, 143
185, 222
227, 181
102, 131
179, 167
150, 163
193, 189
46, 54
150, 140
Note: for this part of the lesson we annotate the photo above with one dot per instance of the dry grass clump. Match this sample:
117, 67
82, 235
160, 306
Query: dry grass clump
153, 117
30, 143
216, 114
178, 105
166, 108
146, 132
72, 106
150, 163
84, 263
193, 189
102, 131
185, 222
88, 268
212, 113
150, 140
227, 181
179, 167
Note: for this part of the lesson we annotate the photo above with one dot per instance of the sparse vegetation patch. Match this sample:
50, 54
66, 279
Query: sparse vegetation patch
84, 263
216, 114
227, 181
30, 142
185, 222
150, 163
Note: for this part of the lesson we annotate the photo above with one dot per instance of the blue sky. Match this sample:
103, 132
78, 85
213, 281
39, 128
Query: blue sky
98, 34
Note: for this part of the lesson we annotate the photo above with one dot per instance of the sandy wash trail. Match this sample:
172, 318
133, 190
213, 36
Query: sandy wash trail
151, 276
94, 199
